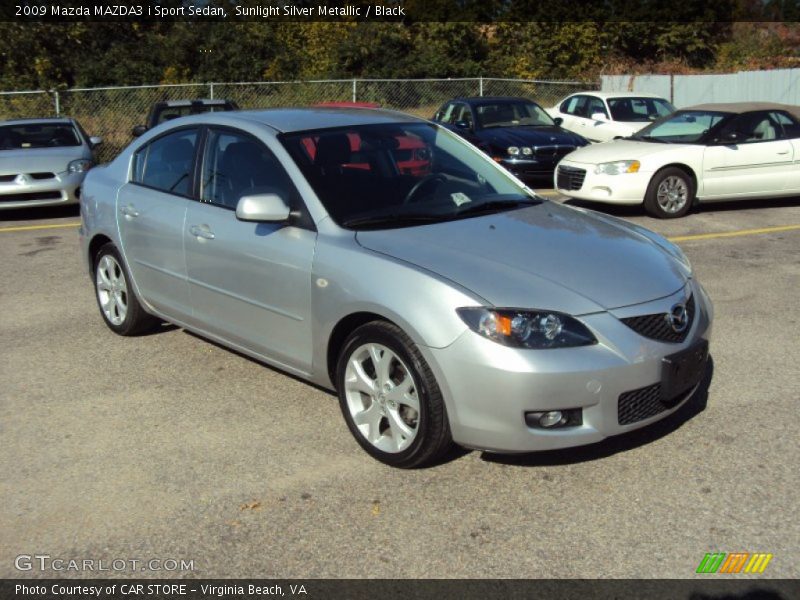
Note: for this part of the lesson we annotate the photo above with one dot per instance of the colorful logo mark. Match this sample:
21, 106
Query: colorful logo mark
735, 562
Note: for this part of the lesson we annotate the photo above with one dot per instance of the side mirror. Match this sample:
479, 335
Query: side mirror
463, 125
598, 116
95, 141
138, 130
558, 121
729, 138
262, 208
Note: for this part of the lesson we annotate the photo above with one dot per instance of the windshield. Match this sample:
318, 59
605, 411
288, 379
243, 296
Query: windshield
38, 135
638, 110
683, 127
394, 175
511, 114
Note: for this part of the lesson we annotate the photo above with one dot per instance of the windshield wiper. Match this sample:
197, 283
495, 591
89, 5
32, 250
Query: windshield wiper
393, 219
647, 138
496, 205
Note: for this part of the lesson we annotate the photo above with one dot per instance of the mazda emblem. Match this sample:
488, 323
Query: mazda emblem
678, 318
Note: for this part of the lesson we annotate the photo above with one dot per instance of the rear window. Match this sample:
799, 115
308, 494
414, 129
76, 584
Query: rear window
38, 135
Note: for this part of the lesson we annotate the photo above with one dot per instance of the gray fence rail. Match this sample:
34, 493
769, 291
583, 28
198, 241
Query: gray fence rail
111, 112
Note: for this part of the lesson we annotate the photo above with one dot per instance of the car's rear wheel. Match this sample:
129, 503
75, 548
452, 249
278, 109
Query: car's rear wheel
389, 397
121, 309
670, 194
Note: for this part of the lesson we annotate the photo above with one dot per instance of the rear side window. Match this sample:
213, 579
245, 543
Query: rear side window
166, 163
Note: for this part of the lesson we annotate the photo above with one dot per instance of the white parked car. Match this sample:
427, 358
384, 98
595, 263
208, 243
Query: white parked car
705, 153
603, 116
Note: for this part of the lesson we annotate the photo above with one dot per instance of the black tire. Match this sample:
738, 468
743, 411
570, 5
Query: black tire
135, 320
665, 176
432, 430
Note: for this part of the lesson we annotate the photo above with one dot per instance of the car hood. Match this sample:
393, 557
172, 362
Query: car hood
33, 160
530, 136
546, 256
624, 150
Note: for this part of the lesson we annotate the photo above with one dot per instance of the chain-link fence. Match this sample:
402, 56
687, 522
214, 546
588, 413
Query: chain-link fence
112, 112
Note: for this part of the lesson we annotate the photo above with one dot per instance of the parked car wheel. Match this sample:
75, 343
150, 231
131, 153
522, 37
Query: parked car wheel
118, 303
670, 194
389, 397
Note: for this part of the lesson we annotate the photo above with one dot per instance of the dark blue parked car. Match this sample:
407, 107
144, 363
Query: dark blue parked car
515, 132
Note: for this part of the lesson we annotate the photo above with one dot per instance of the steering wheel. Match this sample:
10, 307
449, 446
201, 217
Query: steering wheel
430, 178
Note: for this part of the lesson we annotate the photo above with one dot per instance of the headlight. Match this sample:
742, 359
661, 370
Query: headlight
513, 151
79, 166
527, 151
532, 329
617, 167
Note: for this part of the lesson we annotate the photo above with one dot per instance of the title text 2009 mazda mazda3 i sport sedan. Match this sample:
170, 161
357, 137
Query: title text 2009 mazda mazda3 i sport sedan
452, 305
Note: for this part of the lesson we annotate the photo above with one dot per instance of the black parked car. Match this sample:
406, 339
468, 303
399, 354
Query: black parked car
172, 109
515, 132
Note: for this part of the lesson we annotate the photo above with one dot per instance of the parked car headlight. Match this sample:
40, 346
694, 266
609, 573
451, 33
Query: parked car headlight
80, 165
513, 151
617, 167
534, 329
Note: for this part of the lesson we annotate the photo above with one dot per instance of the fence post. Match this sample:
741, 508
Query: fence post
58, 104
480, 86
211, 91
354, 90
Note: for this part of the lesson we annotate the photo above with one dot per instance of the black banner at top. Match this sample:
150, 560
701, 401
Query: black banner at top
406, 11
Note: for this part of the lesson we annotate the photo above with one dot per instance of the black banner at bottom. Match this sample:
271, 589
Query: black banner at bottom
713, 588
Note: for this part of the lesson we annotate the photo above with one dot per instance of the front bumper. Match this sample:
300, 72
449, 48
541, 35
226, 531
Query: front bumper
530, 169
489, 387
626, 188
61, 189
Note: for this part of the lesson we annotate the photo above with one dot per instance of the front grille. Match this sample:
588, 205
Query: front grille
42, 175
557, 151
30, 196
570, 178
640, 404
657, 326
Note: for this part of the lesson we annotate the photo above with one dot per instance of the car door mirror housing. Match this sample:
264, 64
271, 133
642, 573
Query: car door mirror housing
138, 130
598, 116
463, 125
558, 121
263, 208
727, 138
95, 141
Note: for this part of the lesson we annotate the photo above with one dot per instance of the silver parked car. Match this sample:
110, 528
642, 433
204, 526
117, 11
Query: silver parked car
43, 161
447, 304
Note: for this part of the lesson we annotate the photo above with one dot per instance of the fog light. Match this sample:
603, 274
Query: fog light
551, 419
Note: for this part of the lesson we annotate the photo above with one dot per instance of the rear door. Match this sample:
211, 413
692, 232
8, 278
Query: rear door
151, 212
250, 282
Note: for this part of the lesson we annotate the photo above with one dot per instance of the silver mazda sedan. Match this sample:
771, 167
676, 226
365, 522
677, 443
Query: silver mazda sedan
43, 161
445, 303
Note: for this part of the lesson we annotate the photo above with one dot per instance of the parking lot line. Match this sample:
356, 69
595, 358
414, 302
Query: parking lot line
33, 227
725, 234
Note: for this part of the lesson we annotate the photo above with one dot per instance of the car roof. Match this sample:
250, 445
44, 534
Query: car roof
195, 101
606, 95
288, 120
743, 107
64, 120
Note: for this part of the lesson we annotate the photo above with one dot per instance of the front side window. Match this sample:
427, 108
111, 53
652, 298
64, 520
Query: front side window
573, 105
639, 110
237, 165
38, 135
445, 114
511, 114
364, 179
751, 128
166, 163
683, 127
463, 115
595, 106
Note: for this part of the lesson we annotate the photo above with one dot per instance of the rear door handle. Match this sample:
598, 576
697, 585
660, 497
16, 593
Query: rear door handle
129, 211
201, 231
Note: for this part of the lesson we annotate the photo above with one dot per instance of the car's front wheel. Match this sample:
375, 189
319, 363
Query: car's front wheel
389, 397
670, 194
118, 303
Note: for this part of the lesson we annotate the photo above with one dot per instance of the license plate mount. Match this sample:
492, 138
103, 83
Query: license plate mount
681, 371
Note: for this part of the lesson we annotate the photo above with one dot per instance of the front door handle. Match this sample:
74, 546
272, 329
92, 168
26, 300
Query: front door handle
129, 211
201, 231
784, 152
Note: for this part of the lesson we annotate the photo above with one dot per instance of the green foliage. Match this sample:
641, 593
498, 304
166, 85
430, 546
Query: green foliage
53, 56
